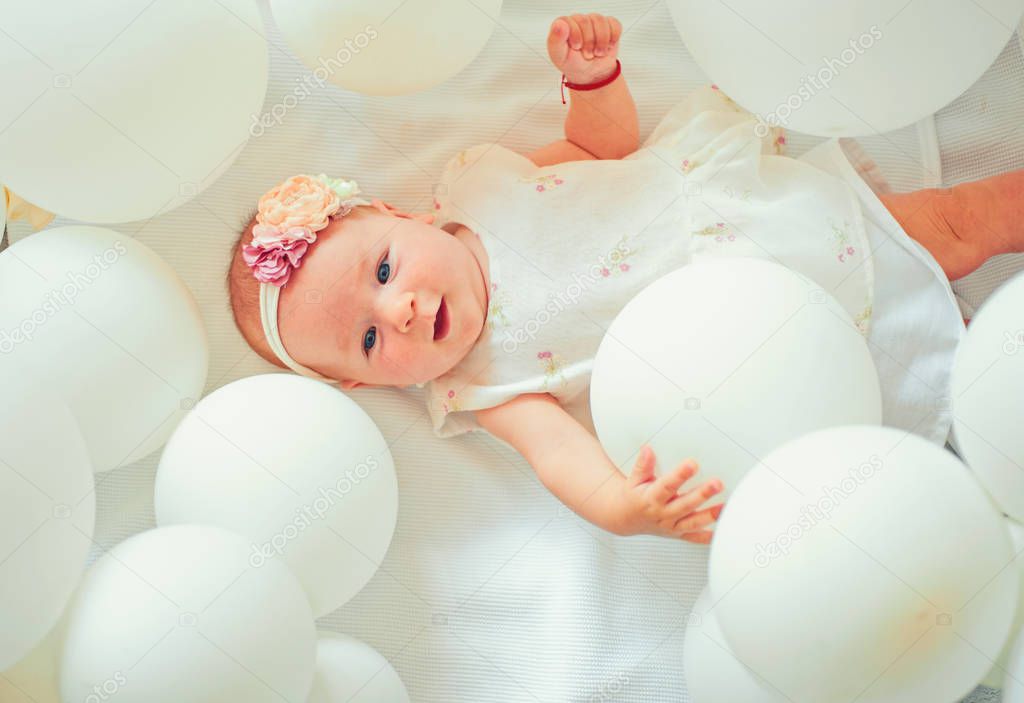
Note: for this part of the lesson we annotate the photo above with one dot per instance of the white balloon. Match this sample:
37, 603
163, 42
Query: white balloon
296, 467
178, 614
847, 67
713, 672
36, 678
119, 110
725, 359
863, 562
988, 396
997, 674
1008, 672
350, 671
47, 512
386, 47
113, 329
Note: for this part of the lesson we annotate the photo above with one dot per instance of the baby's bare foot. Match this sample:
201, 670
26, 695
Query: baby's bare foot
965, 225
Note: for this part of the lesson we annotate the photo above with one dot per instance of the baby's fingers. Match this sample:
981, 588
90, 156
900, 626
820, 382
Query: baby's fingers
587, 28
575, 33
703, 537
698, 520
602, 33
686, 503
559, 39
666, 487
643, 470
616, 30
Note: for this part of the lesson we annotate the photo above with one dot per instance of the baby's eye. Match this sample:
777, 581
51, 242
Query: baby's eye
383, 271
369, 339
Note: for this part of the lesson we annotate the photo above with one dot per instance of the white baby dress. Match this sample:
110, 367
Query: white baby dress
570, 244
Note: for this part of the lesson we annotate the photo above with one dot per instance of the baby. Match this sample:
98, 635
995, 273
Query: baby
498, 299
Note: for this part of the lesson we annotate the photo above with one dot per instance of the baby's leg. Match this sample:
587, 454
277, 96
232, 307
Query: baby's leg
965, 225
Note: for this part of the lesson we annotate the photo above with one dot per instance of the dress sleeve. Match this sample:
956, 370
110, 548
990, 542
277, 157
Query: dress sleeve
702, 117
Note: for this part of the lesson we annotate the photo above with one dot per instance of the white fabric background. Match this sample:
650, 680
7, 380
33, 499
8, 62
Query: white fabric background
491, 591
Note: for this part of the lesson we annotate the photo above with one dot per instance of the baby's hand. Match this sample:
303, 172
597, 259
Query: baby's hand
584, 47
655, 505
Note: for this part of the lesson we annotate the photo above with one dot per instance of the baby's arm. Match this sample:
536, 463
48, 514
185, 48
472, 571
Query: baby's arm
602, 123
571, 463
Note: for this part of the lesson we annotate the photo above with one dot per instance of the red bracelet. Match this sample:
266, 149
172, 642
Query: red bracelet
591, 86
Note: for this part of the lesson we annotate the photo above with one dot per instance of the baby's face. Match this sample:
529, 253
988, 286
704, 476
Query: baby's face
382, 300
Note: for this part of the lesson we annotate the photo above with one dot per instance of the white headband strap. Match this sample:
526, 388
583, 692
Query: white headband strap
270, 296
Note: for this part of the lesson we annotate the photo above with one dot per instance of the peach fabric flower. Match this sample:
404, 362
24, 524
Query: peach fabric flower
300, 201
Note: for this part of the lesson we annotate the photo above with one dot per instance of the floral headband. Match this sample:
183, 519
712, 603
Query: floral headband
287, 219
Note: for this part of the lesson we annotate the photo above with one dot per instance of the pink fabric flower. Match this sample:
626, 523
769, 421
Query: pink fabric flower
544, 355
267, 237
299, 201
274, 264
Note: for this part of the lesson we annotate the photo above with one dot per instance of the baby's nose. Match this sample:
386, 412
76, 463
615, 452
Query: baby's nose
402, 310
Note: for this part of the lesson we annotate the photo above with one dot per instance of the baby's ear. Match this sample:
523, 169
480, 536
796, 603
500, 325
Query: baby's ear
349, 385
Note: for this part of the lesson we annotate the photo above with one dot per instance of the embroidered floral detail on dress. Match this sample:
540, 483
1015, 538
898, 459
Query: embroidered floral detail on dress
863, 320
499, 298
736, 194
544, 182
688, 165
720, 231
778, 140
552, 364
616, 260
844, 250
451, 404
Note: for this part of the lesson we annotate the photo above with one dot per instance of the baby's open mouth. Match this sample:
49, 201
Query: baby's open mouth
441, 321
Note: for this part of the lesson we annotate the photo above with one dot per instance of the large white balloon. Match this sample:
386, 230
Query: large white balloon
178, 614
1008, 672
114, 330
47, 512
119, 110
988, 396
863, 562
996, 677
713, 672
846, 67
350, 671
386, 47
36, 676
725, 359
296, 467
